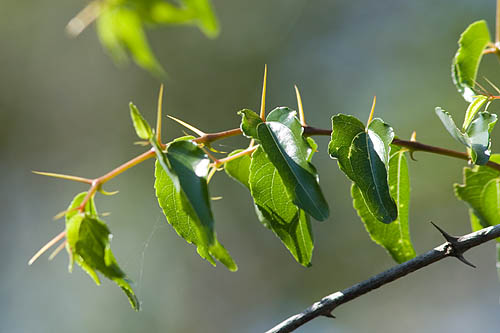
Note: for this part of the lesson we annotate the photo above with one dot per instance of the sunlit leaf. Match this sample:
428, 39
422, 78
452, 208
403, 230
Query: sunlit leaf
289, 152
472, 43
479, 133
473, 109
477, 137
366, 156
141, 126
88, 244
187, 208
394, 237
249, 122
344, 130
363, 155
273, 206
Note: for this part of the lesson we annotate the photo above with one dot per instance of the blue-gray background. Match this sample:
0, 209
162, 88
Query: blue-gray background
63, 108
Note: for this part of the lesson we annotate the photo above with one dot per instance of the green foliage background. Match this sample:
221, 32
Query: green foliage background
64, 108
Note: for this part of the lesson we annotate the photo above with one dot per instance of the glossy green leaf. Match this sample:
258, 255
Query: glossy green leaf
274, 206
367, 156
88, 244
249, 122
289, 151
479, 134
473, 109
141, 126
363, 155
394, 237
187, 207
472, 43
344, 130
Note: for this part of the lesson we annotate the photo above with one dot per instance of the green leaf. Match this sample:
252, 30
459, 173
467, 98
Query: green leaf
481, 192
120, 29
465, 65
187, 207
477, 137
344, 130
204, 16
289, 152
363, 155
450, 126
473, 109
479, 133
394, 237
89, 245
274, 206
249, 122
141, 126
239, 169
367, 156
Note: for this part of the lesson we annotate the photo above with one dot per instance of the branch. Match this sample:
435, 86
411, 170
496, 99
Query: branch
310, 131
454, 247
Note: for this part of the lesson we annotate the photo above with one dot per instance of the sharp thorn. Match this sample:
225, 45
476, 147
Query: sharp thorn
263, 97
370, 118
412, 156
329, 315
465, 261
447, 236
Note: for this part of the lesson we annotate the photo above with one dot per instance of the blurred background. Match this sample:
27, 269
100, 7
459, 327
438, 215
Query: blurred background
64, 108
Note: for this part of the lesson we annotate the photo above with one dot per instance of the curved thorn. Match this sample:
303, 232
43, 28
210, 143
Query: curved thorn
301, 109
211, 173
263, 98
106, 192
465, 261
411, 155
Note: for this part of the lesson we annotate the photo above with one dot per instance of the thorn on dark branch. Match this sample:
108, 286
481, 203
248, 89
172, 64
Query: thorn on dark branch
411, 155
328, 315
465, 261
451, 239
453, 242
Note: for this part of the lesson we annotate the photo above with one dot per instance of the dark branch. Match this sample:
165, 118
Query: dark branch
325, 306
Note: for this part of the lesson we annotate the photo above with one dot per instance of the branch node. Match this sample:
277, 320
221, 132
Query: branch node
452, 248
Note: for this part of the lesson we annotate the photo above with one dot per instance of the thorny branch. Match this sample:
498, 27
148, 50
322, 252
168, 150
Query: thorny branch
454, 247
